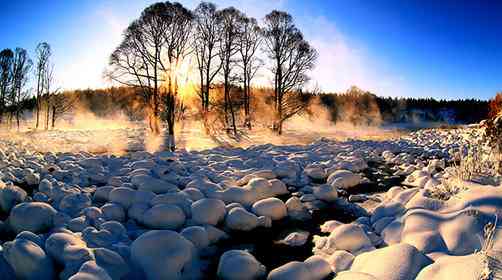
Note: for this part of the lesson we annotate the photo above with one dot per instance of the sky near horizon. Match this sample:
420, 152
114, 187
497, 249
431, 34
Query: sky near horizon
419, 48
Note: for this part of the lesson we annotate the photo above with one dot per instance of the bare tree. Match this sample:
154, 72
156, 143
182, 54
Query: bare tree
20, 69
137, 61
228, 19
6, 59
61, 103
48, 92
43, 53
292, 57
206, 40
153, 48
249, 43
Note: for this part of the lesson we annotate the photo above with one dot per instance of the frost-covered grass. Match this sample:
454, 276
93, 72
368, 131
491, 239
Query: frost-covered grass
477, 164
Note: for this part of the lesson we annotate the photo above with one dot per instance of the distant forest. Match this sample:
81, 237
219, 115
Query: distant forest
354, 106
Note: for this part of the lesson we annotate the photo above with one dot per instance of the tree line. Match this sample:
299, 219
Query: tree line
362, 107
228, 48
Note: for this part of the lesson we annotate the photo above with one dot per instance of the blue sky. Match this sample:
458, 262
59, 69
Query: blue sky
442, 49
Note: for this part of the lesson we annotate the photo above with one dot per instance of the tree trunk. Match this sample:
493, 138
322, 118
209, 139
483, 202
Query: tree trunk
53, 116
38, 102
47, 115
17, 119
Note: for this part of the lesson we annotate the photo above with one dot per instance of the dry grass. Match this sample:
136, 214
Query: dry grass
475, 165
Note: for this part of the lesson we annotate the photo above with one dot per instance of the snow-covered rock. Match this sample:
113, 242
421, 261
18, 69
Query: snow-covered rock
326, 192
28, 260
164, 254
164, 216
344, 179
240, 219
208, 211
32, 216
239, 265
270, 207
383, 264
10, 195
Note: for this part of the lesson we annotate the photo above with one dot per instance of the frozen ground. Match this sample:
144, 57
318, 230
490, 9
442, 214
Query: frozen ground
401, 208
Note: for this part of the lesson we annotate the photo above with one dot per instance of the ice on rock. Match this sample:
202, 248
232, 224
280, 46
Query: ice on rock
270, 207
31, 216
208, 211
239, 265
344, 179
28, 260
164, 254
10, 196
382, 264
164, 216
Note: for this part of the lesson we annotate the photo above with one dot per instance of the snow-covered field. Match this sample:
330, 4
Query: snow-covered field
386, 209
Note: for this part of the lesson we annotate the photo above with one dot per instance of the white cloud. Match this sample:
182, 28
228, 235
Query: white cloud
342, 64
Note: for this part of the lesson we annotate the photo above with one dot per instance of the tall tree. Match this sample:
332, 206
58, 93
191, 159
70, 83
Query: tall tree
137, 61
249, 43
177, 38
43, 53
228, 19
6, 58
148, 57
292, 57
206, 40
20, 69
